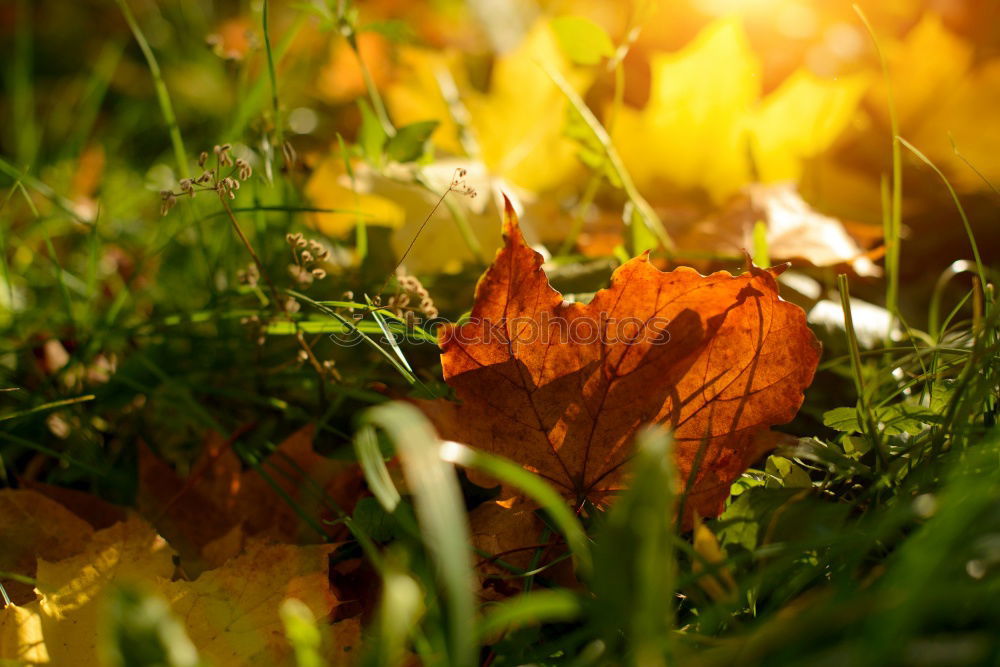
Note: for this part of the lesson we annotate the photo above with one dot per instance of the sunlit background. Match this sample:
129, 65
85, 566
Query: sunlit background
373, 144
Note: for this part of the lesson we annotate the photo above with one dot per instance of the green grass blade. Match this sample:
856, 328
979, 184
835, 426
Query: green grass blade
162, 95
530, 608
441, 513
958, 204
373, 465
46, 407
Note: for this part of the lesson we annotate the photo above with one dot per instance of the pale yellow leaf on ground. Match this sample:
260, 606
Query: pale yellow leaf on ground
73, 590
795, 231
21, 635
231, 613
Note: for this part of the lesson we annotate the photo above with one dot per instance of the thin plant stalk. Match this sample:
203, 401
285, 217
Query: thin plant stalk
894, 222
162, 96
859, 382
278, 131
279, 303
646, 212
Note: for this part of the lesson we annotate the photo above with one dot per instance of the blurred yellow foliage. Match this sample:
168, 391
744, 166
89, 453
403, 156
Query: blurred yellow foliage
341, 80
517, 123
705, 125
938, 92
919, 81
326, 189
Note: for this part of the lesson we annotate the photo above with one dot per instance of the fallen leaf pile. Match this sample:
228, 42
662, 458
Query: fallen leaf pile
718, 359
235, 551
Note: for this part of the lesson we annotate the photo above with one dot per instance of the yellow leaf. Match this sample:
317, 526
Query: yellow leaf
417, 95
938, 92
920, 80
703, 121
21, 635
33, 526
517, 123
691, 132
968, 116
719, 584
73, 590
800, 119
328, 187
232, 613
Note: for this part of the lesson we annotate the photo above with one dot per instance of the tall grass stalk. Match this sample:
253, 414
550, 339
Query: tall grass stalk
162, 95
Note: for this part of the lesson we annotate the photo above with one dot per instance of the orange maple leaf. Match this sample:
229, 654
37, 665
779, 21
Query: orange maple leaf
563, 387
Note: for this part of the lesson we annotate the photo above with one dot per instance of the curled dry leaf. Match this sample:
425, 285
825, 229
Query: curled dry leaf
794, 230
562, 388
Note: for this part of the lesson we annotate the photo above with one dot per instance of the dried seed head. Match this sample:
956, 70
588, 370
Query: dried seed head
306, 256
202, 159
300, 275
319, 274
167, 201
244, 170
458, 184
